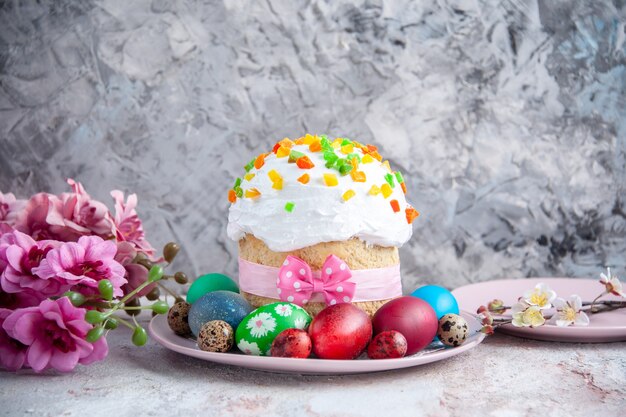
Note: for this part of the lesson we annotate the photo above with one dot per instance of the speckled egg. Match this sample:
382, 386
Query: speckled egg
177, 318
257, 331
216, 336
453, 330
218, 305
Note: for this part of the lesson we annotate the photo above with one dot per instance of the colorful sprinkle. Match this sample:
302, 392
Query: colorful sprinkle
336, 144
304, 179
287, 143
249, 165
376, 156
345, 169
274, 176
386, 166
282, 152
389, 179
232, 197
395, 205
238, 192
252, 193
358, 176
330, 180
305, 163
403, 185
399, 177
348, 195
278, 185
289, 206
375, 190
411, 214
347, 149
237, 183
309, 139
249, 176
386, 190
260, 161
367, 158
294, 156
346, 141
315, 146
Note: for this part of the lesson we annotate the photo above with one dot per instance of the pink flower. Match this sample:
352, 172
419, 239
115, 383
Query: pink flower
54, 333
12, 352
13, 301
77, 214
10, 208
20, 254
135, 273
128, 226
32, 220
83, 264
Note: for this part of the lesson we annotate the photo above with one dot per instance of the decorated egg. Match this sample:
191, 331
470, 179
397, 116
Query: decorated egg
257, 330
218, 305
439, 298
208, 283
413, 317
387, 345
216, 336
292, 343
177, 318
340, 331
453, 330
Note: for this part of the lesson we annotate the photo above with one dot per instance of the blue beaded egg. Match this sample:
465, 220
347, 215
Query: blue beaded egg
218, 305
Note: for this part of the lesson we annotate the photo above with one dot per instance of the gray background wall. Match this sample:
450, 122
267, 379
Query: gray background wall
507, 117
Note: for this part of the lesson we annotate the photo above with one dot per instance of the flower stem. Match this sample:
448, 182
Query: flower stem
170, 292
593, 308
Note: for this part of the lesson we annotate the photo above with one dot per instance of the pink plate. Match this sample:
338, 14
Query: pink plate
161, 332
604, 327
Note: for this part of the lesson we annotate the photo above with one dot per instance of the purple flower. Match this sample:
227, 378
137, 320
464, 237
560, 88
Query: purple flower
135, 273
128, 226
77, 214
12, 352
83, 264
19, 256
10, 208
54, 335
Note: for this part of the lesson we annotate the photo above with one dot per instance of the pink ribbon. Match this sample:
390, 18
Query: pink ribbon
371, 284
296, 283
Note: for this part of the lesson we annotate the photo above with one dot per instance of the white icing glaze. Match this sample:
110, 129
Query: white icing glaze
320, 214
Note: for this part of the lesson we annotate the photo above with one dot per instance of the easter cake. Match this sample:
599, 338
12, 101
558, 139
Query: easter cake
319, 221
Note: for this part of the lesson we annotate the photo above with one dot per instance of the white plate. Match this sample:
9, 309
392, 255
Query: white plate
161, 332
609, 326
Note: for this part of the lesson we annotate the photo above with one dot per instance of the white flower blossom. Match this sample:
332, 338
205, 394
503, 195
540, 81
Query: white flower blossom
525, 315
261, 324
249, 348
540, 296
299, 323
612, 283
569, 312
284, 310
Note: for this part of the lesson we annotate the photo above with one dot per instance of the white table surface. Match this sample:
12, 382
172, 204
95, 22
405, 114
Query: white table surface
504, 376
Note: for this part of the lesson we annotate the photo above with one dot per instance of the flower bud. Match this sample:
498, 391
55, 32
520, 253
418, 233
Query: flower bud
488, 330
181, 278
160, 307
140, 337
170, 251
106, 289
94, 334
496, 306
486, 319
481, 310
94, 317
155, 274
76, 298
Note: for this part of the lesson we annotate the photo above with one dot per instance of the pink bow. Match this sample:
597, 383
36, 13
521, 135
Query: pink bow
296, 283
